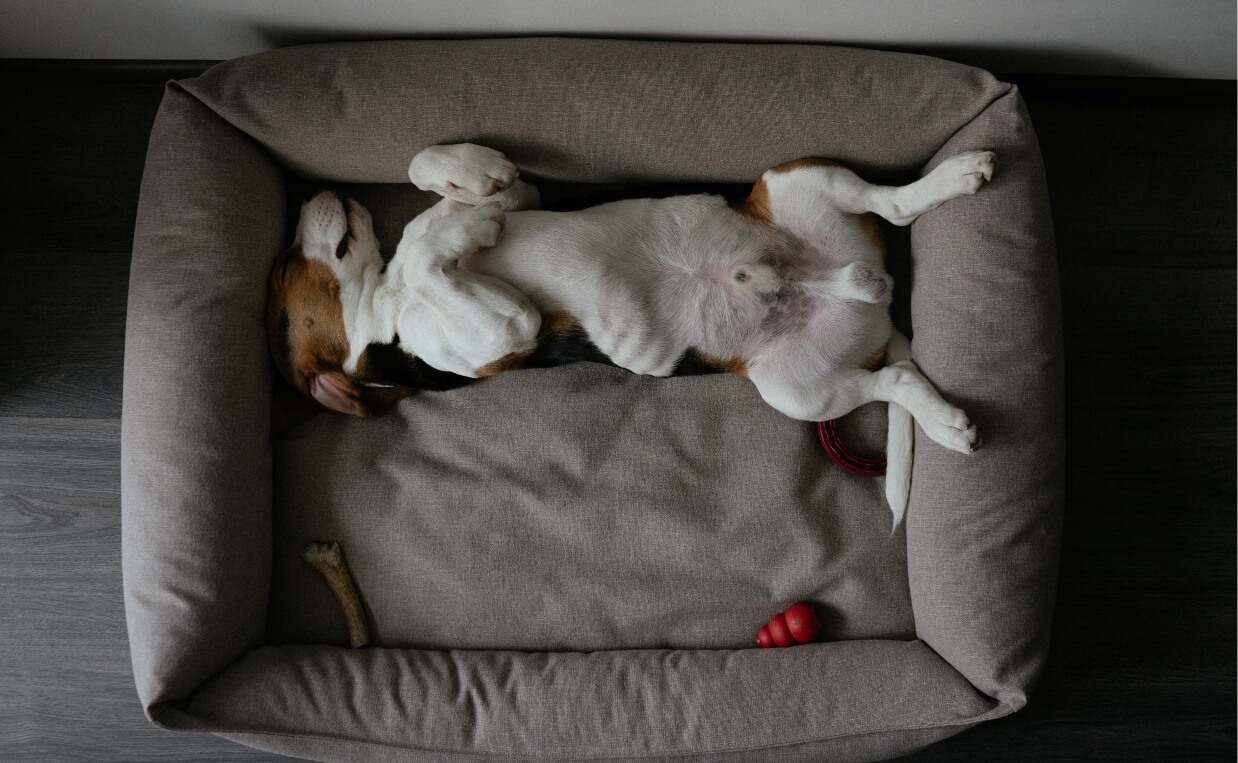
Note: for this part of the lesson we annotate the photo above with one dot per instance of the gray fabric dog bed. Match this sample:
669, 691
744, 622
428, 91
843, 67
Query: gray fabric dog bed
574, 563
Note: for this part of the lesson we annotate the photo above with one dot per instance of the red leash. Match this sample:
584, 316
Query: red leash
863, 467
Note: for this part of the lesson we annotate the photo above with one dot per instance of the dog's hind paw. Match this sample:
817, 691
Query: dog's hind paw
964, 174
950, 428
859, 281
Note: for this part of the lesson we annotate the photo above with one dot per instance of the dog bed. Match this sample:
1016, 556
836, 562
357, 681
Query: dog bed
574, 563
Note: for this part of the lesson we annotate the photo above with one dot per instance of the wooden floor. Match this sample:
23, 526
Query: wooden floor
1142, 176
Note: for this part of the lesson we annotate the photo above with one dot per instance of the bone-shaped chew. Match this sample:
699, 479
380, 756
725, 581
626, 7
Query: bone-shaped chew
329, 561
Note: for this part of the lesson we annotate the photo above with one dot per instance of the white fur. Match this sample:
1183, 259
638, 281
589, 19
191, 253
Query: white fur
900, 440
453, 319
368, 299
804, 301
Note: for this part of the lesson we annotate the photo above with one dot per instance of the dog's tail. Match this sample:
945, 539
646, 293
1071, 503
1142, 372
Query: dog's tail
899, 441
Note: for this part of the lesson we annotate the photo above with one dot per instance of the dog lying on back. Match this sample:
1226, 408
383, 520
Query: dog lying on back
787, 289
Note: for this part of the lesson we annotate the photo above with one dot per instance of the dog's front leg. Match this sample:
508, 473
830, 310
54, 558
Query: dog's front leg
440, 236
456, 320
473, 175
415, 230
417, 227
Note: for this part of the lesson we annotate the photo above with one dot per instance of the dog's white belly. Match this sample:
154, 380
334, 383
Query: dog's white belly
613, 268
649, 280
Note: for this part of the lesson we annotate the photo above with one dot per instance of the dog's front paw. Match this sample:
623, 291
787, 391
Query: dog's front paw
465, 172
465, 231
484, 223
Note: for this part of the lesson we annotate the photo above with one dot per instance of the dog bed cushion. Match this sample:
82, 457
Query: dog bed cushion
573, 563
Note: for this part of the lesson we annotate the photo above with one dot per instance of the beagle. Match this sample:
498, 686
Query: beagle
787, 288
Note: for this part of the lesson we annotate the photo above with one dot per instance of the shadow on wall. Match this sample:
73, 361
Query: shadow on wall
1004, 58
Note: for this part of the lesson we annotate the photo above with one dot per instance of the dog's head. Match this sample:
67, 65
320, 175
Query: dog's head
314, 292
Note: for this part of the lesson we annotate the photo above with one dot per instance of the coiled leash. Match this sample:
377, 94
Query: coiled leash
838, 453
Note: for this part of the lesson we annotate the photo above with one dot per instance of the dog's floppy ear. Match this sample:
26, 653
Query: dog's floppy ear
336, 391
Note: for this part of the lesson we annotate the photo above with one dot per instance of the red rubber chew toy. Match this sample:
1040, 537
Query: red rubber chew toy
803, 622
798, 625
779, 630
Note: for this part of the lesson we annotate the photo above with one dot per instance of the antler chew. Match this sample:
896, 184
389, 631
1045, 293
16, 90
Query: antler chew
329, 561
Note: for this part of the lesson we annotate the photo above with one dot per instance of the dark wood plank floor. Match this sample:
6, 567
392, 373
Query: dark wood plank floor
1142, 176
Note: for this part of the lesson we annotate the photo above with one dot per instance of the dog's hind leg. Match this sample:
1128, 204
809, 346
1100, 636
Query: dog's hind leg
796, 194
945, 424
820, 398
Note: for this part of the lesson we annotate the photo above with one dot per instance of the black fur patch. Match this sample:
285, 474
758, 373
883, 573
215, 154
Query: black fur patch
388, 364
563, 347
693, 363
574, 346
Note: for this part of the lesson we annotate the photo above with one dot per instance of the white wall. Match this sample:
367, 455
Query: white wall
1176, 38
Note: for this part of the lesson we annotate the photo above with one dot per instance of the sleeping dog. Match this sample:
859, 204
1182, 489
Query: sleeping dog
787, 288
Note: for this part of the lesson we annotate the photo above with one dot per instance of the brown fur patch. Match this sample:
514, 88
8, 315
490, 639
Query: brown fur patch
308, 294
559, 322
870, 225
757, 205
510, 362
730, 365
877, 360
